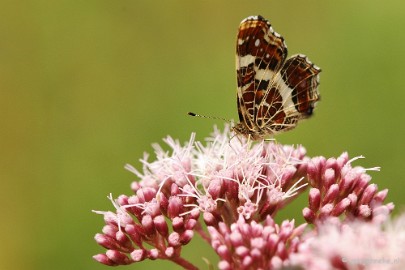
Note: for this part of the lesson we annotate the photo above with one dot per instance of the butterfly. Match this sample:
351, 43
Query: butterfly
273, 92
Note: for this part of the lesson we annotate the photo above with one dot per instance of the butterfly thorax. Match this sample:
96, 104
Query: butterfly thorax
253, 133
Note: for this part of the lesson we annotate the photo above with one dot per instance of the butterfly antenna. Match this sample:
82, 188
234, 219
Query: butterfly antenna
209, 117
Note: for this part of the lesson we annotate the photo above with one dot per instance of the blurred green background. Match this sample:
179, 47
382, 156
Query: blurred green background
87, 86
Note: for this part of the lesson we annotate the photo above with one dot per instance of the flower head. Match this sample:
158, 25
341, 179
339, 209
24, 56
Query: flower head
251, 245
340, 189
353, 245
237, 187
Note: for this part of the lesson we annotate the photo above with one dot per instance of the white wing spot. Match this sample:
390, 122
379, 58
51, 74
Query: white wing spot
246, 60
257, 42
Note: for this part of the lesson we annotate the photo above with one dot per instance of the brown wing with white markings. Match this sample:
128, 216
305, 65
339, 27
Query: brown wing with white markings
273, 93
260, 54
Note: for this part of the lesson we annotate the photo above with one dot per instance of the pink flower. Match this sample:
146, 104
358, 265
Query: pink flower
251, 245
237, 187
338, 188
353, 245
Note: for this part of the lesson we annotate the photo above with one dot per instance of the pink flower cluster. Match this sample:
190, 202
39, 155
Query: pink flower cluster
338, 188
237, 188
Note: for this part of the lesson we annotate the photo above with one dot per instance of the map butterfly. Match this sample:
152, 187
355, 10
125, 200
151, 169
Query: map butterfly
274, 93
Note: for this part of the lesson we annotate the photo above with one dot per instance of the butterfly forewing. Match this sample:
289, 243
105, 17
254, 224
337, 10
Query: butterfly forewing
260, 53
